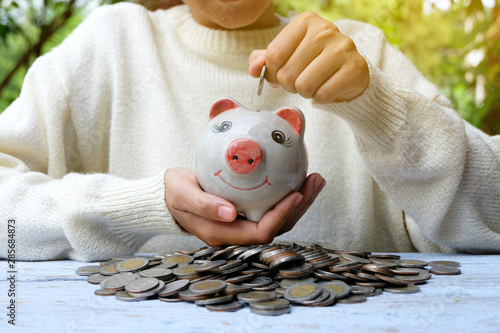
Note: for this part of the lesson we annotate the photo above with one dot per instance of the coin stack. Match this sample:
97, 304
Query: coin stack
266, 278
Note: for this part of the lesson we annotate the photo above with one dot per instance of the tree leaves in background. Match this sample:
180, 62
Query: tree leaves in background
27, 30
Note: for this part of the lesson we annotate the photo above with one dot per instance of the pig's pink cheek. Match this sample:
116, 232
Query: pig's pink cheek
243, 156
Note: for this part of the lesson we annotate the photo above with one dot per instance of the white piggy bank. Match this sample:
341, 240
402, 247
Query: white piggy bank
252, 158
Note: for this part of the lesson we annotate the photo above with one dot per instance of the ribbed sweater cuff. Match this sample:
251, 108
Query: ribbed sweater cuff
378, 114
138, 206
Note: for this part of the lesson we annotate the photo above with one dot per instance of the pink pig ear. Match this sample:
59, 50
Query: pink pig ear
292, 117
220, 106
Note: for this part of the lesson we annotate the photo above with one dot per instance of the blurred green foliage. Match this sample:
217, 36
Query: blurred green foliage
457, 48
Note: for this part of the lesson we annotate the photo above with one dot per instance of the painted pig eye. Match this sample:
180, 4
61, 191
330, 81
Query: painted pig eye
222, 127
280, 138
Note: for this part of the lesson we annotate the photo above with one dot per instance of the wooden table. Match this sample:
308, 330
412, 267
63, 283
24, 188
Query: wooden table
50, 297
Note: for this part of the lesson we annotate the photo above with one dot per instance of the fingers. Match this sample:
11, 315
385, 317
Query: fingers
282, 218
256, 61
313, 185
280, 50
202, 214
311, 57
187, 196
244, 232
275, 219
337, 88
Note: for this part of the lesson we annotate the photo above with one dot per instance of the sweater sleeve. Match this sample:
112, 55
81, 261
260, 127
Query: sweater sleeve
439, 169
54, 180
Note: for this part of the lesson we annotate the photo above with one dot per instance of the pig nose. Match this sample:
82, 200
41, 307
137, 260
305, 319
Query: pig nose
243, 156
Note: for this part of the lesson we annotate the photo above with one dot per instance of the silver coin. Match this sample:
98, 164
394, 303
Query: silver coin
340, 288
185, 271
376, 292
215, 300
87, 270
256, 296
277, 312
108, 270
203, 253
118, 281
168, 265
254, 271
287, 283
237, 251
325, 294
105, 292
156, 272
353, 299
326, 275
210, 265
179, 259
96, 278
276, 264
171, 299
174, 287
141, 285
422, 276
302, 292
409, 289
230, 264
312, 254
234, 269
274, 304
272, 252
234, 289
280, 291
412, 263
269, 287
259, 281
132, 265
325, 263
223, 253
203, 278
207, 287
350, 257
124, 296
298, 270
394, 279
358, 290
240, 278
405, 271
332, 297
159, 288
444, 263
226, 307
346, 266
252, 253
368, 276
189, 296
445, 270
261, 80
376, 284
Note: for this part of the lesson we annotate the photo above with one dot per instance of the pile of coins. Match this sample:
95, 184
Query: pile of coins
266, 278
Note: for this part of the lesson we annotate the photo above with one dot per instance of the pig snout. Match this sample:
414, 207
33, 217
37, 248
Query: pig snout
243, 156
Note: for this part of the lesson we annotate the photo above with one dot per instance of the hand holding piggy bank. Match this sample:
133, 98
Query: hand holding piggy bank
252, 158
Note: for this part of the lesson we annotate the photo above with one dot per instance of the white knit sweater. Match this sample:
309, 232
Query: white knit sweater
84, 149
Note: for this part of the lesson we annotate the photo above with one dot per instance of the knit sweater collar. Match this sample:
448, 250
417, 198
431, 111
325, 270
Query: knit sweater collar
214, 41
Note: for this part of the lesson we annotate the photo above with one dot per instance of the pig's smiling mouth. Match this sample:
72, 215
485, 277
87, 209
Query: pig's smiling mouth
218, 173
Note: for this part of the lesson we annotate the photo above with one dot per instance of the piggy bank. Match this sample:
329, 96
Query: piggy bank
252, 158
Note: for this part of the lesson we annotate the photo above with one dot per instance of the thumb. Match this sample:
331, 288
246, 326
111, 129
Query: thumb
256, 61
